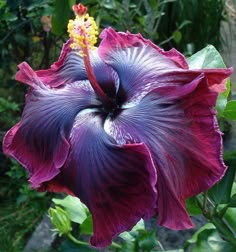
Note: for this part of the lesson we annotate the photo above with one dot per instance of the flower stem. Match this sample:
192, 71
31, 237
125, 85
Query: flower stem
73, 239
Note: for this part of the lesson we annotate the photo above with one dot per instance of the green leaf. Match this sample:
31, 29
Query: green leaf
230, 110
61, 15
139, 226
2, 3
232, 202
177, 36
222, 100
126, 236
130, 236
76, 210
48, 11
207, 239
230, 156
147, 240
210, 241
229, 216
8, 16
71, 3
192, 206
8, 106
86, 227
208, 57
194, 238
108, 4
220, 193
128, 246
233, 189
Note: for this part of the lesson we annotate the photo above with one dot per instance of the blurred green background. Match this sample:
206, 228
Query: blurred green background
34, 31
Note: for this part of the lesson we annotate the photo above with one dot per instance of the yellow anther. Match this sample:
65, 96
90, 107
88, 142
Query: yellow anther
83, 30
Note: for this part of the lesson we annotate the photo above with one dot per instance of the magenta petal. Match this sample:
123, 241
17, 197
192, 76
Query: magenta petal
39, 140
27, 75
70, 68
112, 41
50, 76
216, 78
117, 183
143, 67
179, 127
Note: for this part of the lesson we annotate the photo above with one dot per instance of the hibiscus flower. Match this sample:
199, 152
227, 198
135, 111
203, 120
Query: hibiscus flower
127, 127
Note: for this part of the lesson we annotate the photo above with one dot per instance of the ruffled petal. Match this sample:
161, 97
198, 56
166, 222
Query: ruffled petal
137, 63
179, 127
112, 40
39, 140
117, 183
70, 68
142, 66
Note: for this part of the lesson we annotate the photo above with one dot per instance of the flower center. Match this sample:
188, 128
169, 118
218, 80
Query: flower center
111, 108
83, 32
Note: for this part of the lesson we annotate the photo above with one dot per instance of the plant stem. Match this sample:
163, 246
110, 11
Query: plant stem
73, 239
204, 209
160, 245
219, 223
115, 245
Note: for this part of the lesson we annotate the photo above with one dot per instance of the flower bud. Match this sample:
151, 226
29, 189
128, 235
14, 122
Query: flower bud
79, 9
60, 220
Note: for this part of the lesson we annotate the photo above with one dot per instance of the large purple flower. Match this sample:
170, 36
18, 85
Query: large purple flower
141, 143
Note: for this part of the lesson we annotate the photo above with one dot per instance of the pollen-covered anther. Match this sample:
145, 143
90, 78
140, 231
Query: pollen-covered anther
83, 30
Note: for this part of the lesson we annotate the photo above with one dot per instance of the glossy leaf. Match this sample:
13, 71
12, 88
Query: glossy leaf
207, 239
61, 15
76, 210
232, 202
86, 228
230, 110
220, 193
229, 216
233, 189
147, 240
208, 57
194, 238
126, 236
210, 241
128, 246
130, 236
192, 206
230, 156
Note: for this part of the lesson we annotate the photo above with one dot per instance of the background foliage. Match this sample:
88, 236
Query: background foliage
34, 31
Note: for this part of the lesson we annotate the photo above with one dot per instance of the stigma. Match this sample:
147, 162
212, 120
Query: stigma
82, 30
